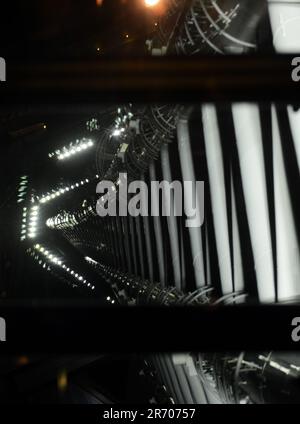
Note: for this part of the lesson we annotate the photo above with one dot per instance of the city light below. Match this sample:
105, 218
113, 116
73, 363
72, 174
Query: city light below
151, 3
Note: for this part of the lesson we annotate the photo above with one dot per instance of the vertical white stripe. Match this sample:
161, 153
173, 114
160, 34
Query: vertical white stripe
218, 196
188, 174
249, 141
288, 255
294, 118
238, 274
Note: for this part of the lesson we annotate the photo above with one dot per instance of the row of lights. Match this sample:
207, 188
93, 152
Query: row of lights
72, 149
117, 132
38, 259
93, 124
30, 221
69, 220
93, 262
109, 299
62, 221
50, 196
22, 188
58, 262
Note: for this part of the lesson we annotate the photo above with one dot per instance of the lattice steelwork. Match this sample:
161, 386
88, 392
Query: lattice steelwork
248, 246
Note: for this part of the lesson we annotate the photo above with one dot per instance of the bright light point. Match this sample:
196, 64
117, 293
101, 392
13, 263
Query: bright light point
116, 133
151, 3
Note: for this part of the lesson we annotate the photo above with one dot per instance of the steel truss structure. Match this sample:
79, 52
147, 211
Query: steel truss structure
247, 249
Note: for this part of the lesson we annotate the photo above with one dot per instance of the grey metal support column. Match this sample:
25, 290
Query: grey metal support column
174, 379
188, 174
192, 376
133, 244
247, 125
172, 220
212, 138
182, 259
127, 243
120, 242
148, 241
157, 228
287, 249
184, 385
167, 377
140, 245
113, 230
196, 388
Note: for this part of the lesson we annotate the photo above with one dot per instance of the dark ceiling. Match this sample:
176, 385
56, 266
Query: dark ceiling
64, 29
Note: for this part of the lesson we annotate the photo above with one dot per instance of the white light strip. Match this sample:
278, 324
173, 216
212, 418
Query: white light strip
73, 149
30, 221
212, 138
288, 264
248, 132
23, 186
59, 192
24, 226
58, 262
93, 262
